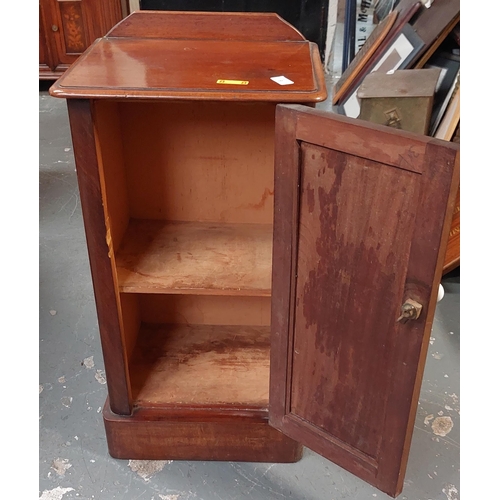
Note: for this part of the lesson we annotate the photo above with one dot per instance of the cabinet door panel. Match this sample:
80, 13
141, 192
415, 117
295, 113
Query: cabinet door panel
360, 215
72, 27
45, 59
69, 29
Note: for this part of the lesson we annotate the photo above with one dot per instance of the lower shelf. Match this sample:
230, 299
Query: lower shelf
200, 392
201, 365
155, 434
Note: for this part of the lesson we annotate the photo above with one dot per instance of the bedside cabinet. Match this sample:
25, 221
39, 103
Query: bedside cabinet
265, 273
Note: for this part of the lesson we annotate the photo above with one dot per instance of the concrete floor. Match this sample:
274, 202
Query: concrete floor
73, 458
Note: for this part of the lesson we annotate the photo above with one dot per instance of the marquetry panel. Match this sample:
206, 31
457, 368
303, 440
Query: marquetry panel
73, 29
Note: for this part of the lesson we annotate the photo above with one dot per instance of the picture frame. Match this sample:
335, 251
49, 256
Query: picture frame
398, 55
376, 44
449, 64
363, 56
448, 124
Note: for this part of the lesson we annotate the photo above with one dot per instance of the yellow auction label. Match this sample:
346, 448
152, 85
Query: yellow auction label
233, 82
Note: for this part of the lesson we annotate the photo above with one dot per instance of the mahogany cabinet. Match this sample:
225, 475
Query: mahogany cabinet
68, 27
265, 273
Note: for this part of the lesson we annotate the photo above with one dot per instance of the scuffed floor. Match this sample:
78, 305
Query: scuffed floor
74, 463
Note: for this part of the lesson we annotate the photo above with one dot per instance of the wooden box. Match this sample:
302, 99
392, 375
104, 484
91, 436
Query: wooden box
250, 258
401, 100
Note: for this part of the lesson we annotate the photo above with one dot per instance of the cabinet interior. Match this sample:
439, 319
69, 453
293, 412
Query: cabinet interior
188, 197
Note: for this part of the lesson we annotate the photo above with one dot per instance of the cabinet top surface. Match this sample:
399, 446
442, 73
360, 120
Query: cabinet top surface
210, 56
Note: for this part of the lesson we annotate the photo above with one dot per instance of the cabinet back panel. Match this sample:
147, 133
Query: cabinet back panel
199, 161
205, 309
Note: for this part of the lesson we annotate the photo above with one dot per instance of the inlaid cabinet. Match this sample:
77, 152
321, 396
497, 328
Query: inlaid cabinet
68, 27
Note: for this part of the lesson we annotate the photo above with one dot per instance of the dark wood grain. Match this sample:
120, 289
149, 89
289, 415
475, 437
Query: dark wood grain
233, 26
209, 435
355, 227
137, 69
105, 287
286, 173
367, 236
142, 67
405, 154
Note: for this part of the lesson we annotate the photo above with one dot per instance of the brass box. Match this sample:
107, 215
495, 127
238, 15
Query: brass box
401, 100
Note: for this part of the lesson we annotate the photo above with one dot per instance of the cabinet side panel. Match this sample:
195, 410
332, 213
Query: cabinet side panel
109, 146
105, 287
111, 165
202, 161
287, 166
131, 321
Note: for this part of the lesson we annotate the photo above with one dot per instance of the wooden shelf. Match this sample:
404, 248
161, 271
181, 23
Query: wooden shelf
192, 257
201, 365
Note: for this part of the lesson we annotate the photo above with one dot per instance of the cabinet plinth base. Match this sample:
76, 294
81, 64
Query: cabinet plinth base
159, 434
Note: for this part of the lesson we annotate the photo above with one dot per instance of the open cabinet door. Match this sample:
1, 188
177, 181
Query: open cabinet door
362, 214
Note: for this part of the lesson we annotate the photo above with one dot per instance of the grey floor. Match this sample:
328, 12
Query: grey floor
73, 458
